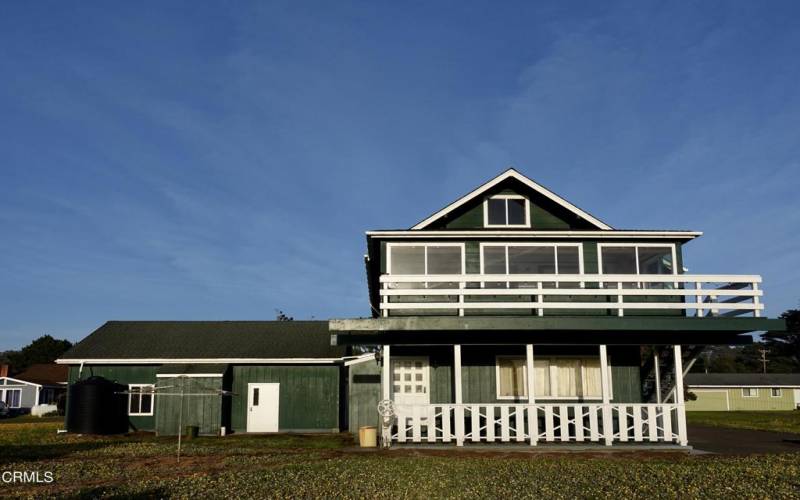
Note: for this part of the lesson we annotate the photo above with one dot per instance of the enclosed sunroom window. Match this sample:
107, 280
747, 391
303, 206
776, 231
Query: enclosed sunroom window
422, 259
501, 258
637, 259
506, 210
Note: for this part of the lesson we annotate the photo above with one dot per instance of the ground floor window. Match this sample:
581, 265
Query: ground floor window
13, 398
140, 399
749, 392
776, 392
554, 377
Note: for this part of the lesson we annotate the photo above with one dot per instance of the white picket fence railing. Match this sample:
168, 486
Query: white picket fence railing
701, 294
490, 423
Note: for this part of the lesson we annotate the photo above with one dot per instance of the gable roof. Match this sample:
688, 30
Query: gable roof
743, 379
206, 341
44, 374
512, 174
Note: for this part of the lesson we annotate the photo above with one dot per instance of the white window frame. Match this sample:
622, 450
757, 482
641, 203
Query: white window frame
497, 378
772, 392
555, 246
152, 393
19, 400
425, 244
600, 247
754, 389
552, 376
506, 197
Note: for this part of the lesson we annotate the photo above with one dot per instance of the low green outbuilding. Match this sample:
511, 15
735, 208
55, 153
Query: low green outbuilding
221, 376
743, 391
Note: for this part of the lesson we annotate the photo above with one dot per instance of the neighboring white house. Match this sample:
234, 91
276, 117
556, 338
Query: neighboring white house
40, 384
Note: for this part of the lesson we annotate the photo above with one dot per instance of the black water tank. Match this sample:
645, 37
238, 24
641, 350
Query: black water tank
96, 406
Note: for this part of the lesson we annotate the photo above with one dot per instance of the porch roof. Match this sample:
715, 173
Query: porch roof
639, 330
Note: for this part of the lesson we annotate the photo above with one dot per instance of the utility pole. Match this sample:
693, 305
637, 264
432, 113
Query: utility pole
764, 359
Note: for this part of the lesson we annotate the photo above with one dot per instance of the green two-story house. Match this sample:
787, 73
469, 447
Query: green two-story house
512, 315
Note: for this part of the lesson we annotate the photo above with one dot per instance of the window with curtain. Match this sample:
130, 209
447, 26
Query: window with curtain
554, 377
511, 378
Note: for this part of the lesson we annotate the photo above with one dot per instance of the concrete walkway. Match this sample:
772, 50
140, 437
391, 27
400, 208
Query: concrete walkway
741, 441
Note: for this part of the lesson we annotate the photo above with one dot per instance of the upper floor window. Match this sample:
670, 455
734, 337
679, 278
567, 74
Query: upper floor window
530, 258
425, 258
637, 258
506, 210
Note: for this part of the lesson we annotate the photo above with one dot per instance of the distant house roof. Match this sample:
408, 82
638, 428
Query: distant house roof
205, 341
44, 374
743, 379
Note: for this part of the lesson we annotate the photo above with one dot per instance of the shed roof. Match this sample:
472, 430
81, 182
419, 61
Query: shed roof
206, 340
743, 379
44, 374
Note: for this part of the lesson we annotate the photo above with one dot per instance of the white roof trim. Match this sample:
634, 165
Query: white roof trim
738, 386
360, 359
188, 375
175, 361
511, 173
613, 234
18, 381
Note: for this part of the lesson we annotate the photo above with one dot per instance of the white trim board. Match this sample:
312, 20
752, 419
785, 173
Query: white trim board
521, 233
18, 381
174, 361
742, 386
189, 375
363, 358
512, 174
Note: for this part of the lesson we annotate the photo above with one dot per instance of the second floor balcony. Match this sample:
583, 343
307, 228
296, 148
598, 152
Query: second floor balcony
699, 295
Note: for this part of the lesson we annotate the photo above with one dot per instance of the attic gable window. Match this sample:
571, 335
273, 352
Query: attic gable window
506, 210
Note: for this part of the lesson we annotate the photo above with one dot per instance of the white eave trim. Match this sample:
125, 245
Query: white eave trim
17, 381
206, 361
511, 173
360, 359
745, 386
188, 375
613, 234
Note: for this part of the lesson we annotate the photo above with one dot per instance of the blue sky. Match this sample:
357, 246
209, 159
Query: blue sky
221, 160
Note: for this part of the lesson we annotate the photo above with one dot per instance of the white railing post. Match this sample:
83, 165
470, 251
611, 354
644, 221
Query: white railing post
699, 288
533, 433
682, 438
385, 301
387, 374
539, 299
756, 301
620, 311
459, 409
608, 422
657, 362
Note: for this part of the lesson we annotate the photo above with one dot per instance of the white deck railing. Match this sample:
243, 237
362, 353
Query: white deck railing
696, 294
507, 423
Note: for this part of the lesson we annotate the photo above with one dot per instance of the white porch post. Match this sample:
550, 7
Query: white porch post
656, 362
459, 397
682, 438
532, 414
387, 374
608, 422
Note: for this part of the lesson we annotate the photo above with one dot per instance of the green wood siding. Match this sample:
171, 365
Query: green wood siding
714, 399
202, 411
364, 392
479, 375
124, 374
309, 395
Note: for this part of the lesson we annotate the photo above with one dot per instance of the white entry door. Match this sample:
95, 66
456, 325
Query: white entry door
262, 407
411, 381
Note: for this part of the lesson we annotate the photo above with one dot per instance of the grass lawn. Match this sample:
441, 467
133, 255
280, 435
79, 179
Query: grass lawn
781, 421
323, 466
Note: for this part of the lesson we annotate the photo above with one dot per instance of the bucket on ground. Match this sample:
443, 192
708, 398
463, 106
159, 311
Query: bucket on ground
368, 436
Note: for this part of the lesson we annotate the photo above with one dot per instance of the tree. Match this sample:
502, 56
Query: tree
282, 317
784, 347
45, 349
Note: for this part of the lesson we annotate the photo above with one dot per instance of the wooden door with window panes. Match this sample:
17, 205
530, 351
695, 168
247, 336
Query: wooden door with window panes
411, 381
